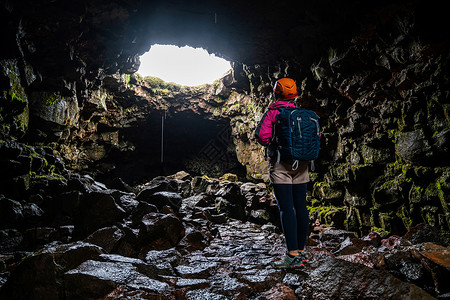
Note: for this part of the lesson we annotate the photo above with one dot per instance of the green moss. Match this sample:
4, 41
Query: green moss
51, 177
235, 107
404, 215
52, 99
138, 77
216, 83
159, 84
16, 97
52, 169
445, 235
394, 134
441, 194
216, 112
325, 213
154, 81
420, 190
380, 231
164, 91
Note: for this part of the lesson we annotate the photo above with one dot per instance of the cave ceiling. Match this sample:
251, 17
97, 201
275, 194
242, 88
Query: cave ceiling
110, 35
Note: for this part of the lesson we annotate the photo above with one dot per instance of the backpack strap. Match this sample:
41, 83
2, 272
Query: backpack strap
287, 104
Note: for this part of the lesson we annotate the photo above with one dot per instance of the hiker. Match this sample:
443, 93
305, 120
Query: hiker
288, 179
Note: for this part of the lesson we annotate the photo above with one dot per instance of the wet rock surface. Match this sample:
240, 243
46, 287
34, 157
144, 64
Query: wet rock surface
182, 250
376, 73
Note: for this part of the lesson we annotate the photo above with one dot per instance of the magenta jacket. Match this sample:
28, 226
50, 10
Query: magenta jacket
264, 133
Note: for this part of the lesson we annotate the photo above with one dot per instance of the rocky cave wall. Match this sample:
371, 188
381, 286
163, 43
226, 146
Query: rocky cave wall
377, 74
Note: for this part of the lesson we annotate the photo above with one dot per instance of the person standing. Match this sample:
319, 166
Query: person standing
289, 180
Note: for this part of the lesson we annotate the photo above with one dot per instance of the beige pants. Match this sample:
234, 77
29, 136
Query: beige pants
282, 173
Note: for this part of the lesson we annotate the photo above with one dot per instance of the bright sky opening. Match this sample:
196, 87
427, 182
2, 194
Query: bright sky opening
185, 65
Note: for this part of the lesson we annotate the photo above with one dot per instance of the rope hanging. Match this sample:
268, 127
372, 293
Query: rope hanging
163, 117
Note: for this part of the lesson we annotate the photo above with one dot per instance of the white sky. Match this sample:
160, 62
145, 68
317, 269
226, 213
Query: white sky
185, 66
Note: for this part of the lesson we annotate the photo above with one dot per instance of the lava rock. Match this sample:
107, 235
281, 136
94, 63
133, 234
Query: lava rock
11, 213
95, 279
356, 281
404, 266
279, 291
194, 240
158, 184
141, 210
10, 240
335, 236
414, 147
160, 231
160, 199
97, 210
421, 233
374, 238
40, 275
107, 238
351, 246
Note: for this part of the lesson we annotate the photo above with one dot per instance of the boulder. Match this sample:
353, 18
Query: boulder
259, 216
127, 202
38, 236
194, 240
229, 177
436, 261
230, 208
231, 201
200, 184
159, 231
11, 149
118, 183
10, 240
279, 291
414, 147
40, 275
403, 265
356, 281
96, 279
197, 269
229, 286
352, 245
335, 236
358, 258
170, 256
11, 213
97, 210
421, 233
200, 200
374, 238
160, 199
158, 184
141, 210
181, 175
107, 238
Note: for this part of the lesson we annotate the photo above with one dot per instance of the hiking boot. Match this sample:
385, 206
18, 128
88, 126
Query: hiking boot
302, 257
294, 262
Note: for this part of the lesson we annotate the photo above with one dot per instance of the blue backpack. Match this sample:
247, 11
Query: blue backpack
297, 135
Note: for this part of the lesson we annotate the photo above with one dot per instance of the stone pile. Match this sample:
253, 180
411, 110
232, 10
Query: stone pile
184, 237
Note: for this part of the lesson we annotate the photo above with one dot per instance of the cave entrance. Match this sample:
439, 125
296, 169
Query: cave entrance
190, 142
182, 65
171, 141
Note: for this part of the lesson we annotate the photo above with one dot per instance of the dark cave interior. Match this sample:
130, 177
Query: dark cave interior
190, 143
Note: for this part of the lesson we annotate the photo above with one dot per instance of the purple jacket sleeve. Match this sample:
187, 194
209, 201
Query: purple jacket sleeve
265, 133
